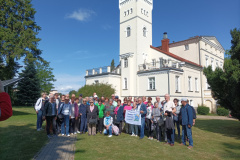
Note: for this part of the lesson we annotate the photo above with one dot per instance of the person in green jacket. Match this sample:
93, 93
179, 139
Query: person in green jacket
101, 109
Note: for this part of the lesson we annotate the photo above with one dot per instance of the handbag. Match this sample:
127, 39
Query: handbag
92, 121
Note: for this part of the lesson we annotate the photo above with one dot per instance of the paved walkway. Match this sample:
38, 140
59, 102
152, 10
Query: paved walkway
60, 148
214, 117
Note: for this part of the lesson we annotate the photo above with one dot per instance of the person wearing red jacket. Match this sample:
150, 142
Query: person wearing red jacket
5, 104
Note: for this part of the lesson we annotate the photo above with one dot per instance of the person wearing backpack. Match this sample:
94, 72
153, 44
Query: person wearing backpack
187, 122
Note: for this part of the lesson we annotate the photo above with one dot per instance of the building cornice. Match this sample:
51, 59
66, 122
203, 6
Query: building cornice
135, 17
103, 75
158, 71
212, 44
211, 53
126, 55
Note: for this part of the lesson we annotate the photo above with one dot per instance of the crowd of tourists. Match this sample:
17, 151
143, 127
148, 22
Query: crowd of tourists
67, 116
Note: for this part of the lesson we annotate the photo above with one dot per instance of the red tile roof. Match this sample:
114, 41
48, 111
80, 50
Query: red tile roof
175, 56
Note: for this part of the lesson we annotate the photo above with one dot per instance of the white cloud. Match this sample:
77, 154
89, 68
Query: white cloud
81, 14
66, 82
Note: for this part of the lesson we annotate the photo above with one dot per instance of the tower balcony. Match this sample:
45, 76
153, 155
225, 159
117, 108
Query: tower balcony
102, 71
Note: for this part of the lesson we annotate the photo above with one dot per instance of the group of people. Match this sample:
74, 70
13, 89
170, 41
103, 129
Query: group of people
103, 115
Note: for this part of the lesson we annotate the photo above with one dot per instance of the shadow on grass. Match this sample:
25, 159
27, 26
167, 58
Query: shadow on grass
231, 150
224, 127
19, 113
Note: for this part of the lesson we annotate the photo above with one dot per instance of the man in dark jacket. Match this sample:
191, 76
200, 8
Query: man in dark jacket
143, 111
187, 123
50, 113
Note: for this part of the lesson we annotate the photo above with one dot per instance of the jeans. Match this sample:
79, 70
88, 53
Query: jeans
100, 125
83, 127
51, 120
178, 127
187, 130
142, 127
134, 129
158, 130
109, 131
170, 136
128, 128
39, 119
120, 127
65, 122
72, 125
150, 131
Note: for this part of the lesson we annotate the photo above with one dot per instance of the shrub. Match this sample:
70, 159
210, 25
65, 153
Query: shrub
203, 110
222, 112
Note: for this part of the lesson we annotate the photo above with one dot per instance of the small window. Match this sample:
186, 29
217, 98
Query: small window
144, 32
131, 11
217, 63
206, 59
128, 31
212, 63
196, 84
189, 83
141, 10
177, 81
191, 102
147, 13
154, 62
125, 63
186, 47
125, 83
151, 83
125, 13
128, 12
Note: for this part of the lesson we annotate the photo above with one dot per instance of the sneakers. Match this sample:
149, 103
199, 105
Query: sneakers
136, 135
75, 132
190, 147
78, 132
133, 135
38, 130
68, 135
110, 136
62, 134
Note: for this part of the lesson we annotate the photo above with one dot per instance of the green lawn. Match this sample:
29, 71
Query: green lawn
213, 139
18, 136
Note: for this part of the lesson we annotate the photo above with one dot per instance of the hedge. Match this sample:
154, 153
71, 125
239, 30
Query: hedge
222, 112
202, 110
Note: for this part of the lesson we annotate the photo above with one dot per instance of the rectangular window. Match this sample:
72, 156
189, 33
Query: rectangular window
217, 63
189, 83
196, 84
151, 83
212, 63
125, 83
186, 47
206, 59
154, 62
125, 63
177, 82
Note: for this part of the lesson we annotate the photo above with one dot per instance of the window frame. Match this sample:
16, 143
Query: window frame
125, 63
128, 31
125, 84
144, 31
190, 84
177, 84
151, 83
186, 47
196, 85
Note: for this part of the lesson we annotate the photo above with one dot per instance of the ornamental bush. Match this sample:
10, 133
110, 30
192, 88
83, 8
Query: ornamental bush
222, 112
203, 110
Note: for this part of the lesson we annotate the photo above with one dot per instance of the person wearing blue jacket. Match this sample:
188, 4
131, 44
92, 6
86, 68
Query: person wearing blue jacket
83, 115
187, 122
143, 111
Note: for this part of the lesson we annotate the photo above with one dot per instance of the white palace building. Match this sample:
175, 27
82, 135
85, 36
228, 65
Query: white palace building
173, 68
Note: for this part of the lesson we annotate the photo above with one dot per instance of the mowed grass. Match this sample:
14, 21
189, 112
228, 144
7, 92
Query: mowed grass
213, 139
19, 139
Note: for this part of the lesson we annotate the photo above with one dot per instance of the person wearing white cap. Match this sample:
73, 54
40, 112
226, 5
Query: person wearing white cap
187, 122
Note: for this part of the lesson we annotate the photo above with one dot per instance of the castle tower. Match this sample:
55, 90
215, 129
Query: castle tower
135, 40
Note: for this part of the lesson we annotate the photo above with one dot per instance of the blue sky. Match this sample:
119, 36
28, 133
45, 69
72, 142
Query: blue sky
84, 34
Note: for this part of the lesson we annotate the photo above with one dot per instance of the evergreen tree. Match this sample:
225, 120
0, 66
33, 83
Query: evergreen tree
225, 84
112, 65
29, 87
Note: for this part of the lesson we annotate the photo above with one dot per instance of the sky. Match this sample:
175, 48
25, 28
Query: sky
77, 35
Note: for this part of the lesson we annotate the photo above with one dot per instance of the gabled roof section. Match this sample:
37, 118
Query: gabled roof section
206, 39
175, 56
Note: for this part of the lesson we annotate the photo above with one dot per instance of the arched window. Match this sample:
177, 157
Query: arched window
128, 31
144, 32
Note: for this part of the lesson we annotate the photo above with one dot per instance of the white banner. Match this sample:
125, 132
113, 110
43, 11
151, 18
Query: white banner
133, 117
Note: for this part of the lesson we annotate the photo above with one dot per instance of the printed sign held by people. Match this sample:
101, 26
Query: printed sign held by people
133, 117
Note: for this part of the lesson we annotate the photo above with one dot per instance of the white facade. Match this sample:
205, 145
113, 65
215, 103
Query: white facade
174, 68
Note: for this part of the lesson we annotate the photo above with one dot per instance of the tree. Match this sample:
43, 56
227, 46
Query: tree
18, 35
73, 92
225, 84
29, 87
112, 65
100, 89
45, 76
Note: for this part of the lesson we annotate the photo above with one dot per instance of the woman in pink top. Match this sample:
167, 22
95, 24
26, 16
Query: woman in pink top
127, 126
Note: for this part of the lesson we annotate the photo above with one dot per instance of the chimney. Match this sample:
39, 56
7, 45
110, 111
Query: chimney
165, 42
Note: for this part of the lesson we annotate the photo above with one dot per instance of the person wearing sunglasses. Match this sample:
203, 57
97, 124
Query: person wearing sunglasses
92, 117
